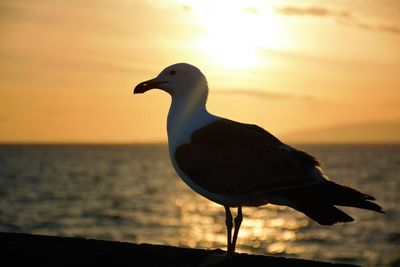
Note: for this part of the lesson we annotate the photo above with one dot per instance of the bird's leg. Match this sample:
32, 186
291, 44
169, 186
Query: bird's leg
229, 225
215, 259
238, 222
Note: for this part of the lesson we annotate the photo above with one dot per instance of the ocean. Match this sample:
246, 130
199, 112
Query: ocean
131, 193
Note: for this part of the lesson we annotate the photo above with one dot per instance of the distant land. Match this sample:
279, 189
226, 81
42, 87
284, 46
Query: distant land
364, 132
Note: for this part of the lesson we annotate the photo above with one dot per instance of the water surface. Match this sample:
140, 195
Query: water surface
131, 193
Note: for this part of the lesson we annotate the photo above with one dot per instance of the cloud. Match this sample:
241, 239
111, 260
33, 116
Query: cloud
395, 29
264, 94
342, 16
251, 10
283, 54
303, 11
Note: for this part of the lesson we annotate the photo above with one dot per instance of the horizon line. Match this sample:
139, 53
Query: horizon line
166, 143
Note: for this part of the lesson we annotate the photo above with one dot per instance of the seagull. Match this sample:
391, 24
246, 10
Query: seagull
239, 165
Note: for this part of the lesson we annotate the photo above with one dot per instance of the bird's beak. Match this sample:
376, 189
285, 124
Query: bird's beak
147, 85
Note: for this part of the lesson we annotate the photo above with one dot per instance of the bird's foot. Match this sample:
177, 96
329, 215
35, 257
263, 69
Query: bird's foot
216, 257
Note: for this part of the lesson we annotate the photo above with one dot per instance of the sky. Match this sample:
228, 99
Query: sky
67, 68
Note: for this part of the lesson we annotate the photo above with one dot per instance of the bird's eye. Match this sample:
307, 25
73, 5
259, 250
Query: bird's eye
172, 72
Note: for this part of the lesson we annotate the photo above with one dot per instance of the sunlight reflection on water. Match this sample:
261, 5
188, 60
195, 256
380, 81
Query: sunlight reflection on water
131, 193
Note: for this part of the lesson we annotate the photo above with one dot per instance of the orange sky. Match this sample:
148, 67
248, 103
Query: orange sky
67, 68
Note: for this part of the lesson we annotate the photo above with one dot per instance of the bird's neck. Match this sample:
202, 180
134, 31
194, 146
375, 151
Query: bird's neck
186, 114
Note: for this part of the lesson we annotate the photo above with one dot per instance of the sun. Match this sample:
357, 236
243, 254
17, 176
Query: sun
235, 33
228, 52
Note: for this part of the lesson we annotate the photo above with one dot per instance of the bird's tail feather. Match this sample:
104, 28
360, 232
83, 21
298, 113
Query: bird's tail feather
346, 196
319, 201
324, 214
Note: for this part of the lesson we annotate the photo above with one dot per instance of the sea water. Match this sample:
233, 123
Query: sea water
131, 193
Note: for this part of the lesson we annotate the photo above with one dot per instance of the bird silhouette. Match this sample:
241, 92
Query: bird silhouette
236, 164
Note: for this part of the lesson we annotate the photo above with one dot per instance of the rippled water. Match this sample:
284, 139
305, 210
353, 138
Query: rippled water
131, 193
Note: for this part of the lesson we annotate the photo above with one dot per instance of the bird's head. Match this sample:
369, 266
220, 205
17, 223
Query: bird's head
180, 79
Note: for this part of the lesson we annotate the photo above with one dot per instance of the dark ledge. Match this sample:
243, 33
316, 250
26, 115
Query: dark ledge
41, 250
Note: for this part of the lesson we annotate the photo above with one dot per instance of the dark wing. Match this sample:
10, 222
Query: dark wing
232, 158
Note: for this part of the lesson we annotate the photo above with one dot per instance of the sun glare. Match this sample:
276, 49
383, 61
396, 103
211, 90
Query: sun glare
228, 52
236, 32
